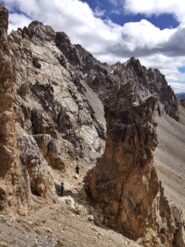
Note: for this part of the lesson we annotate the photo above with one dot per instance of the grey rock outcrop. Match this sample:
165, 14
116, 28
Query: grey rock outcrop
9, 184
124, 182
58, 104
60, 107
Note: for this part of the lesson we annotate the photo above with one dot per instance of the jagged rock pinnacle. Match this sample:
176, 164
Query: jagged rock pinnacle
59, 107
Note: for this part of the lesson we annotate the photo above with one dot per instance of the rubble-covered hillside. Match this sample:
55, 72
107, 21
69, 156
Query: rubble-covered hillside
60, 106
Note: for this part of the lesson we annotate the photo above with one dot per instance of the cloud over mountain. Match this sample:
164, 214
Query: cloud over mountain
157, 7
107, 40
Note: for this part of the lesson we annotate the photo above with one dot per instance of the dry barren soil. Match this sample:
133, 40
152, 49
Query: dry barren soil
170, 157
63, 222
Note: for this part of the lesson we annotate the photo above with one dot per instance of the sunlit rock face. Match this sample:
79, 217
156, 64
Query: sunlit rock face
124, 183
60, 119
59, 106
8, 144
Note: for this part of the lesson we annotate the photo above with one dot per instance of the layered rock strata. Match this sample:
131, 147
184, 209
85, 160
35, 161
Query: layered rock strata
8, 142
124, 182
60, 120
52, 100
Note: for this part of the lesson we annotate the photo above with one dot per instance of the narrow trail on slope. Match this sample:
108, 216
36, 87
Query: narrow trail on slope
66, 222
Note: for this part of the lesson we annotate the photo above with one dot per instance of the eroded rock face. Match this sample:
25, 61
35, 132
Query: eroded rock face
124, 183
61, 92
58, 119
8, 147
157, 84
51, 97
7, 121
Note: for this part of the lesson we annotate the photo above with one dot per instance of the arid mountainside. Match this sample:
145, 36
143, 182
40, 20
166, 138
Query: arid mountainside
60, 106
11, 190
170, 156
169, 161
124, 182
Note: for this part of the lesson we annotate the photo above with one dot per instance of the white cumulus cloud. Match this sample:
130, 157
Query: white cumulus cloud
109, 41
157, 7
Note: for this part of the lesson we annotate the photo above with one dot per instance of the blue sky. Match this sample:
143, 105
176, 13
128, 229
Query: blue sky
114, 30
116, 13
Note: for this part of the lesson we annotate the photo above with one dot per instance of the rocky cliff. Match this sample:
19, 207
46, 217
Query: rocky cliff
58, 123
10, 177
124, 182
60, 106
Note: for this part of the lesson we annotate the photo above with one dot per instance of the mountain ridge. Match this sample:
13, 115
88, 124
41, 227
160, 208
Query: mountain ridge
71, 108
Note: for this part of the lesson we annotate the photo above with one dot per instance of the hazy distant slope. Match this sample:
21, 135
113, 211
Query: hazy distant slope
170, 156
180, 95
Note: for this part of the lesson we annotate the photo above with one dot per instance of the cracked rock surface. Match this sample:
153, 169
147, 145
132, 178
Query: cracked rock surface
59, 107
